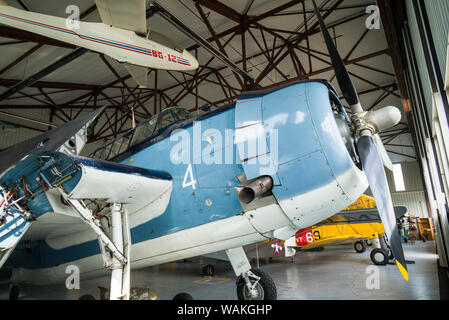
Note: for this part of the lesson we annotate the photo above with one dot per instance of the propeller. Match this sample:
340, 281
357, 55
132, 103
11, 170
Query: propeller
366, 126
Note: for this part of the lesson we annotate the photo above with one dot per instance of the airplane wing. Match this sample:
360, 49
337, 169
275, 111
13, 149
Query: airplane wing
44, 188
332, 241
128, 15
139, 73
46, 191
361, 216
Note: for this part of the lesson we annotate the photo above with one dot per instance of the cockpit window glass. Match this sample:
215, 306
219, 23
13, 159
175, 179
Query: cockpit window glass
181, 114
144, 131
165, 119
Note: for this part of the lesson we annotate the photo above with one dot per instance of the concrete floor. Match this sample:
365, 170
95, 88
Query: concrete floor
335, 273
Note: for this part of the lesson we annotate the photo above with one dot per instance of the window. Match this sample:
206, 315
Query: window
165, 119
143, 131
398, 177
181, 114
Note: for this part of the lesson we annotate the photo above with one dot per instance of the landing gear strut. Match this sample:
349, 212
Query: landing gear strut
13, 292
252, 284
257, 285
381, 254
115, 252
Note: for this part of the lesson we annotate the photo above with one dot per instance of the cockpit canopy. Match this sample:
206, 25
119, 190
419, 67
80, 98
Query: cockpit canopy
143, 131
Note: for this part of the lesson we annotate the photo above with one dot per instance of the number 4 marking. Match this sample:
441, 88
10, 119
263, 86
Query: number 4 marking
189, 174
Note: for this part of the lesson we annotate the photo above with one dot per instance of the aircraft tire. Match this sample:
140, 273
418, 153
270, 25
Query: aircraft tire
13, 292
379, 256
360, 246
390, 254
266, 287
183, 296
87, 297
208, 270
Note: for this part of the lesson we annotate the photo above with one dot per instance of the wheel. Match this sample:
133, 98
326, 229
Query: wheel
360, 246
87, 297
379, 257
390, 254
13, 292
183, 296
265, 288
208, 270
368, 242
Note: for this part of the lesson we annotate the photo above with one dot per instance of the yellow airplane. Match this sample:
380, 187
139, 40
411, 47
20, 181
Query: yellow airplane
359, 223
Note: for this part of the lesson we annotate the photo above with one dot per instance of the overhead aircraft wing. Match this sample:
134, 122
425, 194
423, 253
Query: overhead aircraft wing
128, 15
139, 73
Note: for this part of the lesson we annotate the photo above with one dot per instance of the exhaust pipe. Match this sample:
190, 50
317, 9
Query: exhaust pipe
255, 189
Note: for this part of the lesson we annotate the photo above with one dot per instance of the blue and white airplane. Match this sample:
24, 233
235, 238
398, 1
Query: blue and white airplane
179, 185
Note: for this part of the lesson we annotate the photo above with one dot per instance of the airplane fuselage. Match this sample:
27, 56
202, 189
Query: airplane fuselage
313, 172
123, 45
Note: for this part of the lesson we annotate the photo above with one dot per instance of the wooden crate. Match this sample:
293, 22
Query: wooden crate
427, 228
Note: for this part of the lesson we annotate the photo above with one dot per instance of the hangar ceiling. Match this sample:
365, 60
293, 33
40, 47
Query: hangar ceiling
275, 42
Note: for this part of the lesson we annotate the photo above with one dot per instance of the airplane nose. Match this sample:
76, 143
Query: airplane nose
193, 62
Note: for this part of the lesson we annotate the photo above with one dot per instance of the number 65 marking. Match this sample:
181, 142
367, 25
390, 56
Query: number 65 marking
189, 175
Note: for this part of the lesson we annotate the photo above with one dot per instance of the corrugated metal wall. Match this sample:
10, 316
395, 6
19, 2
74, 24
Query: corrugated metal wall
413, 197
415, 202
419, 52
12, 136
438, 14
412, 177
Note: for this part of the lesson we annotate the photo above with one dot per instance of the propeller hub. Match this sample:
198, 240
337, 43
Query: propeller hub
372, 122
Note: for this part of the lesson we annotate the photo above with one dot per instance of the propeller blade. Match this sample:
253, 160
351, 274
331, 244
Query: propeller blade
377, 179
344, 81
383, 152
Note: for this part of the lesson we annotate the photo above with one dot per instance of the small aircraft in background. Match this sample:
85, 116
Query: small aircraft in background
148, 197
122, 35
358, 224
